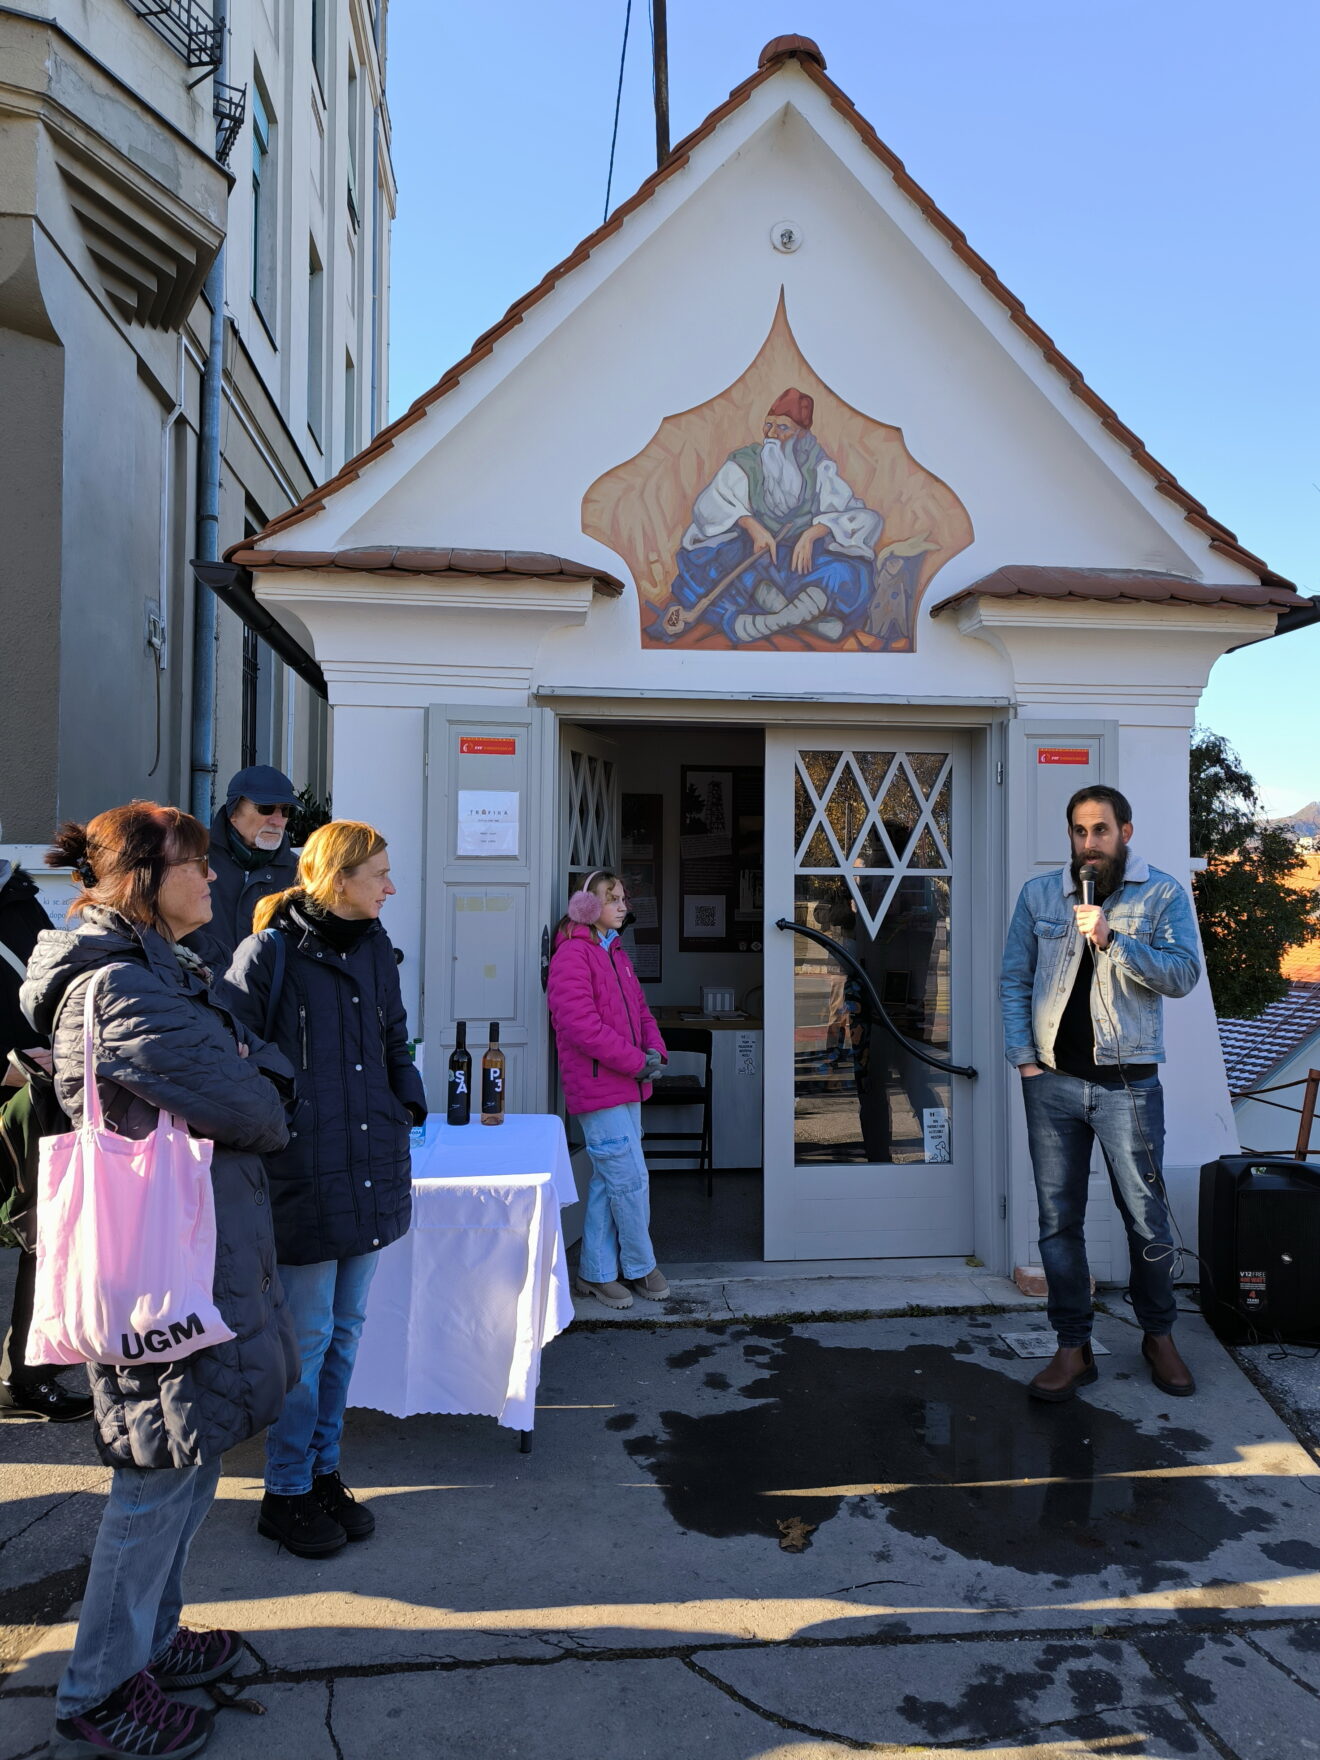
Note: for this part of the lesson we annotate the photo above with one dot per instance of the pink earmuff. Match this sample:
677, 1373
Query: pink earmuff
584, 907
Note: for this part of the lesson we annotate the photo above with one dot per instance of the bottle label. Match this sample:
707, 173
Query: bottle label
458, 1081
492, 1090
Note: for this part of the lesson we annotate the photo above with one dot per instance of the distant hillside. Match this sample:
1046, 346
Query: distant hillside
1305, 822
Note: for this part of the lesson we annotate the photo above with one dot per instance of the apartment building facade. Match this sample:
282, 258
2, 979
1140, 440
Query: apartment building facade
140, 140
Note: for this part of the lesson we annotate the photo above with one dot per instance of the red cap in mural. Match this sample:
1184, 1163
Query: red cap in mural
796, 405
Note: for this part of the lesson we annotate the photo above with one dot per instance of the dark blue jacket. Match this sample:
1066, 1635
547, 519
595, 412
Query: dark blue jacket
160, 1041
343, 1185
234, 894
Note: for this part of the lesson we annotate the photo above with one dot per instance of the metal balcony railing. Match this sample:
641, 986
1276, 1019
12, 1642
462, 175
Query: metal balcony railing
187, 26
230, 107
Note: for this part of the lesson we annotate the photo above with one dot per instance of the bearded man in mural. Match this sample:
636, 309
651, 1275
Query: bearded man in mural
778, 541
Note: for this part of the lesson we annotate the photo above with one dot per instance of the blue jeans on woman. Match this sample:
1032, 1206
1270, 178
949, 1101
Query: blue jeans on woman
328, 1303
134, 1594
1064, 1116
616, 1226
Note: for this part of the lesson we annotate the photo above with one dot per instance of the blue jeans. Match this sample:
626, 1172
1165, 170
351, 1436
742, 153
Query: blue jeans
130, 1609
328, 1303
616, 1226
1064, 1116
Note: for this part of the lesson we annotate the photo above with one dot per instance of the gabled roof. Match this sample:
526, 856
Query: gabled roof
1252, 1049
811, 62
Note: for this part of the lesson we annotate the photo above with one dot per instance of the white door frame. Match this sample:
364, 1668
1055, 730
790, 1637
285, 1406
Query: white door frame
860, 1210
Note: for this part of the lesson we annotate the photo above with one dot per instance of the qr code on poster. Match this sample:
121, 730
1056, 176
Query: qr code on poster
704, 916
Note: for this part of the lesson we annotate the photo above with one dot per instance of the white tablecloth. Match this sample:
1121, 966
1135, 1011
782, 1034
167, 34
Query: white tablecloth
461, 1308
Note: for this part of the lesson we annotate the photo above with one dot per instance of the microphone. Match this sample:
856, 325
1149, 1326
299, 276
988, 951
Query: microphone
1088, 874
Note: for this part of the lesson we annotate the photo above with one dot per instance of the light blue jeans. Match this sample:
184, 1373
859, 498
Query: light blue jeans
328, 1303
616, 1226
130, 1609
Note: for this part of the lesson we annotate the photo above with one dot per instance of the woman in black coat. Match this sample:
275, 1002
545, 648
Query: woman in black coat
160, 1043
319, 978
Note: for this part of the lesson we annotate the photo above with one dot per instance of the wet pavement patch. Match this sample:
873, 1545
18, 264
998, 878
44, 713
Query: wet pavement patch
959, 1454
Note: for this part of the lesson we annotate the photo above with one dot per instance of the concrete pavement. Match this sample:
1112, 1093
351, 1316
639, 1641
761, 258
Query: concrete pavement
1124, 1575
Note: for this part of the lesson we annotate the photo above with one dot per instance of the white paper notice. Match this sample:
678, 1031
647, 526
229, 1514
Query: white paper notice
487, 822
746, 1047
935, 1131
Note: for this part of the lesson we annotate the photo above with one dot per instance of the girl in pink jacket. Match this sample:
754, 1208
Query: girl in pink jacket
609, 1050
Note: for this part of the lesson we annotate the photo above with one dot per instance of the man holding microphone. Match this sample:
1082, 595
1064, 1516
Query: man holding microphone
1092, 951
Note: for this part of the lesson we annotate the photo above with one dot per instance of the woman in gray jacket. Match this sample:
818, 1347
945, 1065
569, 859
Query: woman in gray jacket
160, 1042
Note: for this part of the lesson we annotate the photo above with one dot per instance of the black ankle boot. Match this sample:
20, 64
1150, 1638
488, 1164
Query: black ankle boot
300, 1525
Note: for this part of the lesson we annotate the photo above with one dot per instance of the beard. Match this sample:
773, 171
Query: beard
268, 838
783, 477
1109, 871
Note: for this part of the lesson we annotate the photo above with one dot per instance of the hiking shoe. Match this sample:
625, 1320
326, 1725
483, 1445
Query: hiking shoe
614, 1295
300, 1525
194, 1658
341, 1506
44, 1399
653, 1286
136, 1721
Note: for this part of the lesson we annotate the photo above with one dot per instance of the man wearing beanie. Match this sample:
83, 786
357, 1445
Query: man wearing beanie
250, 856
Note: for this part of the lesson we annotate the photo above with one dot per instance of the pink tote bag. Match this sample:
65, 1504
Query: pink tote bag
125, 1241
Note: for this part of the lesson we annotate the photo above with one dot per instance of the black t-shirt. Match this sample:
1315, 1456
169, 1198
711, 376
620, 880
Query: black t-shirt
1074, 1043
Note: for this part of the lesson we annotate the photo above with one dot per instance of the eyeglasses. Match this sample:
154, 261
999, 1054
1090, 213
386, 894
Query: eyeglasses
283, 807
201, 863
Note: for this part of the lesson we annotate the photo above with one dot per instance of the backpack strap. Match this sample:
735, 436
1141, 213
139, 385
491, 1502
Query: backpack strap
275, 940
11, 958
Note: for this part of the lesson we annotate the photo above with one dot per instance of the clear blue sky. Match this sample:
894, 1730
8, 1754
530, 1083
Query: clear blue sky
1141, 173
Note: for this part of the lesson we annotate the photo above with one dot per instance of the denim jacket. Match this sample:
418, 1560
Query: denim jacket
1153, 952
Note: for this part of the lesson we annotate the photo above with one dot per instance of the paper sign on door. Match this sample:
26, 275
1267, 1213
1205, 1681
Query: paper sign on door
487, 822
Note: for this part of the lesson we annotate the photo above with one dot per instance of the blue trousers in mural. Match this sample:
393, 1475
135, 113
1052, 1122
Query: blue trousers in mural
847, 581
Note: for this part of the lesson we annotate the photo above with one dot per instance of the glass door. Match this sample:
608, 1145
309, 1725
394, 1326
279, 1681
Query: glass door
866, 1150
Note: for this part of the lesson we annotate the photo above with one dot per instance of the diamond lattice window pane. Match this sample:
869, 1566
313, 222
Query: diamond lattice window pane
943, 817
926, 854
846, 810
900, 811
819, 854
819, 766
926, 767
873, 853
804, 809
873, 892
874, 767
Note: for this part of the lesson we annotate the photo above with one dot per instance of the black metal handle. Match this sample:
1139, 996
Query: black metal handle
873, 996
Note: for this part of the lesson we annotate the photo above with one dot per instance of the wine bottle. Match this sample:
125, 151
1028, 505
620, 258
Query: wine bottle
459, 1110
492, 1079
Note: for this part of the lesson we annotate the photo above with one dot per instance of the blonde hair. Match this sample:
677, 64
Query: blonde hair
333, 849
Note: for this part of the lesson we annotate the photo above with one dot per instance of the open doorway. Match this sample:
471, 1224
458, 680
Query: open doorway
683, 805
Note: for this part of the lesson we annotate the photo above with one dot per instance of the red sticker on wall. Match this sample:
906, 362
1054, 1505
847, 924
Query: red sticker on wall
470, 745
1062, 755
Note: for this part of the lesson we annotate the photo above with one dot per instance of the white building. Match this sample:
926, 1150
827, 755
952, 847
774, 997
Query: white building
126, 162
545, 652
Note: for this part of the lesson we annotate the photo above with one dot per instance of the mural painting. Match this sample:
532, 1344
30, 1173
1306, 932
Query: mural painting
777, 517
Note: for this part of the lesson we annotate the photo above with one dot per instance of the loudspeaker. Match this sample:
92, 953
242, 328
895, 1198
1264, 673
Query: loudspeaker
1260, 1247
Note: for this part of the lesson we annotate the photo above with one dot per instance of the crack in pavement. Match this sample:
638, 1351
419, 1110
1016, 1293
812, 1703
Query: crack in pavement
803, 1729
1277, 1662
1189, 1710
39, 1517
330, 1719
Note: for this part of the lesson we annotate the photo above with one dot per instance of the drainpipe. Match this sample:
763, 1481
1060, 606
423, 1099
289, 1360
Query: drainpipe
375, 270
205, 612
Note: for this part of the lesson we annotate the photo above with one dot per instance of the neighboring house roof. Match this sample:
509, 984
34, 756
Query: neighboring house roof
1028, 581
1252, 1049
420, 559
812, 63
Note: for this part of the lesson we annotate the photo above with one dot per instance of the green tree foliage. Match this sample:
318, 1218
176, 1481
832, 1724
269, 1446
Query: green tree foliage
1249, 913
309, 814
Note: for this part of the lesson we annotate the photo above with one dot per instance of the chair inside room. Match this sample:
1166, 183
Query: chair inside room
687, 1090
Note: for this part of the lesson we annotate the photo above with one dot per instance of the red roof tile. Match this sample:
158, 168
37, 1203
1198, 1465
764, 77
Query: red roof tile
812, 63
1027, 581
421, 559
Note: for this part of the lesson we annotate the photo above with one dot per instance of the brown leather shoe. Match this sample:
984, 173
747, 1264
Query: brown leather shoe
1167, 1369
1072, 1366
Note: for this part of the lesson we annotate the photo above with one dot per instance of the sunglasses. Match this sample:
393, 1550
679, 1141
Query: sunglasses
284, 807
201, 863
